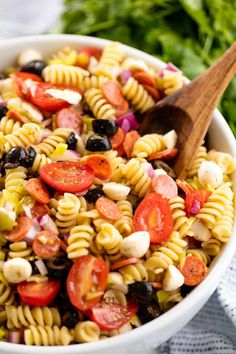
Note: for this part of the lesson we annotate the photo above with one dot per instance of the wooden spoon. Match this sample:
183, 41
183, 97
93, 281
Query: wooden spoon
189, 111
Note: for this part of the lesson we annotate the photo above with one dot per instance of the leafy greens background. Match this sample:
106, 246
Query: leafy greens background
190, 33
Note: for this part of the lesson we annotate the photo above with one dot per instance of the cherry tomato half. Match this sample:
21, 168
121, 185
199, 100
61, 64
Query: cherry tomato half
72, 177
46, 244
153, 214
38, 294
193, 198
19, 231
69, 118
37, 190
86, 281
19, 82
110, 316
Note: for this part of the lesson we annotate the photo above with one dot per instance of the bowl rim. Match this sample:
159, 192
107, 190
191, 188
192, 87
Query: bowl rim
208, 285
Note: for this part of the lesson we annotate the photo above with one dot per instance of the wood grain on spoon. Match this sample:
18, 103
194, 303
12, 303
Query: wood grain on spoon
189, 111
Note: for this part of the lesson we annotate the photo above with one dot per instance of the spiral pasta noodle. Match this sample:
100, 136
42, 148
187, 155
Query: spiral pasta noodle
222, 228
117, 165
48, 145
66, 56
6, 294
93, 81
136, 177
112, 56
137, 95
212, 246
28, 134
182, 223
170, 82
124, 224
18, 316
20, 249
215, 205
46, 335
223, 159
134, 272
147, 145
15, 180
200, 157
86, 332
9, 125
99, 105
169, 253
61, 74
109, 238
39, 161
79, 241
68, 208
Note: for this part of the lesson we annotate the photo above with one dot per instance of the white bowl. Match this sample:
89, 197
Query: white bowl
151, 335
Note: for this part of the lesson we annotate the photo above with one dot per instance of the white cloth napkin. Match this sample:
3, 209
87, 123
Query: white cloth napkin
212, 331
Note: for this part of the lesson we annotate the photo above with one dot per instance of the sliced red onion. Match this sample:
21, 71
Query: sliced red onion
48, 224
13, 337
131, 118
33, 231
81, 194
124, 76
68, 155
170, 67
41, 267
126, 126
195, 208
27, 211
149, 169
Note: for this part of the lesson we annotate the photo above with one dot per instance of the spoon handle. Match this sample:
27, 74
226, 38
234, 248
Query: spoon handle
198, 100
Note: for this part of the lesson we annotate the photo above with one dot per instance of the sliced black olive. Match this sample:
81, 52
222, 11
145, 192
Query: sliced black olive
70, 319
185, 290
31, 156
3, 111
58, 267
147, 313
34, 67
105, 126
17, 155
71, 141
98, 143
93, 195
63, 302
164, 166
142, 292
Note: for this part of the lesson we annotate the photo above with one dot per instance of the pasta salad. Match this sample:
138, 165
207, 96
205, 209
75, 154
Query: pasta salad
97, 234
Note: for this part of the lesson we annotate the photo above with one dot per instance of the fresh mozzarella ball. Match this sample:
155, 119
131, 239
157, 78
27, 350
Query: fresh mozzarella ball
135, 245
17, 270
210, 173
170, 139
116, 191
115, 281
200, 231
173, 279
28, 55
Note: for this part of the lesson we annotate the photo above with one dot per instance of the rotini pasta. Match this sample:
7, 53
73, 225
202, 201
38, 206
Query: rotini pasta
139, 97
66, 56
170, 81
136, 177
222, 228
15, 180
25, 316
9, 125
147, 145
48, 145
46, 335
68, 208
134, 273
79, 241
200, 157
86, 331
124, 224
65, 75
99, 105
223, 159
182, 223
